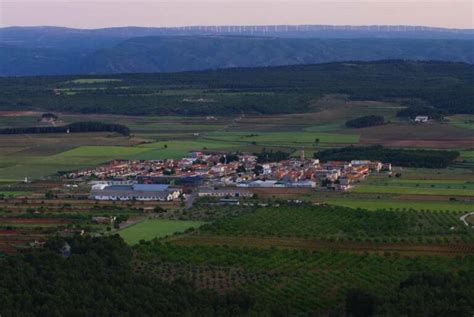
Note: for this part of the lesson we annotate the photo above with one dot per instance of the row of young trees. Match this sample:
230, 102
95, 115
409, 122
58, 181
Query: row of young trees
86, 126
399, 157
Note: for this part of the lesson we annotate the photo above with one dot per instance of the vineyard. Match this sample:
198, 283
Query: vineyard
289, 281
340, 223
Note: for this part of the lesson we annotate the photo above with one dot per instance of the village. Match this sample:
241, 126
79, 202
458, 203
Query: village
219, 175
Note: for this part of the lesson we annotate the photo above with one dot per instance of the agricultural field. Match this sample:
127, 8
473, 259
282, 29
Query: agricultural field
462, 121
93, 80
156, 228
329, 223
281, 253
412, 189
12, 193
400, 204
288, 281
159, 137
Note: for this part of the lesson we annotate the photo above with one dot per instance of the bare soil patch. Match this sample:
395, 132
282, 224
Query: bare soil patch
19, 113
39, 221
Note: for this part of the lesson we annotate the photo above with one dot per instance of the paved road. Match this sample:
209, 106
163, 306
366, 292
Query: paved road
464, 217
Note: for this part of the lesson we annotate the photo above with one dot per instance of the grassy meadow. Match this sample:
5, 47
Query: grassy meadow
156, 228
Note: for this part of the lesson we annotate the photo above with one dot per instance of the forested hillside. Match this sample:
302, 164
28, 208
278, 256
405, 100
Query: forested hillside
287, 89
56, 51
171, 54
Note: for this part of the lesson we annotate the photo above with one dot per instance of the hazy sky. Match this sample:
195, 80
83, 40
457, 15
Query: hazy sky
106, 13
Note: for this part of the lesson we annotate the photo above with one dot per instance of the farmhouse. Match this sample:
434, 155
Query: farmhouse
421, 119
142, 192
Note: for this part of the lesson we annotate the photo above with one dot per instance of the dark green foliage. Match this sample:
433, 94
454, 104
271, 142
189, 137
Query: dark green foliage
286, 89
419, 110
366, 121
241, 169
230, 157
98, 279
270, 156
49, 115
359, 304
433, 294
89, 126
399, 157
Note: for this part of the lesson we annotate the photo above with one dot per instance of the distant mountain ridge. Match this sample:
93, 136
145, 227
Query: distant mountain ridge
171, 54
55, 50
291, 31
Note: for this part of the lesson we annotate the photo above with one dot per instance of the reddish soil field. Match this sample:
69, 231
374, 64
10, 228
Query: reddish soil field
18, 113
11, 239
40, 221
279, 191
6, 232
433, 197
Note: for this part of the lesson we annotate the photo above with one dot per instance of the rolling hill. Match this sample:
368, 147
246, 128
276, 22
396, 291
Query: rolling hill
263, 90
171, 54
27, 51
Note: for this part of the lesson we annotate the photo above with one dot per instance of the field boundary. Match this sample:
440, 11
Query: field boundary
319, 245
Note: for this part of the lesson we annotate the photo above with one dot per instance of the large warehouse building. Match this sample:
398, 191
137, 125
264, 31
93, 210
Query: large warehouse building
143, 192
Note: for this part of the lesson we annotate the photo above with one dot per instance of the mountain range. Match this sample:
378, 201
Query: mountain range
57, 51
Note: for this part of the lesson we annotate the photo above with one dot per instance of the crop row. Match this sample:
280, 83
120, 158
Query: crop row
301, 280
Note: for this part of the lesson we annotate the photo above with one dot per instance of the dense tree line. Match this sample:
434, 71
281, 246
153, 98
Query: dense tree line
399, 157
268, 90
87, 126
49, 116
97, 279
424, 294
365, 121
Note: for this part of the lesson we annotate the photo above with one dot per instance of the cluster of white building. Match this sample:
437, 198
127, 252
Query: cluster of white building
221, 171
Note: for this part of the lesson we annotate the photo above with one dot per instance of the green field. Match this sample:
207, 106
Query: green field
463, 121
283, 138
412, 190
8, 193
339, 222
118, 152
156, 228
376, 204
93, 80
468, 155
